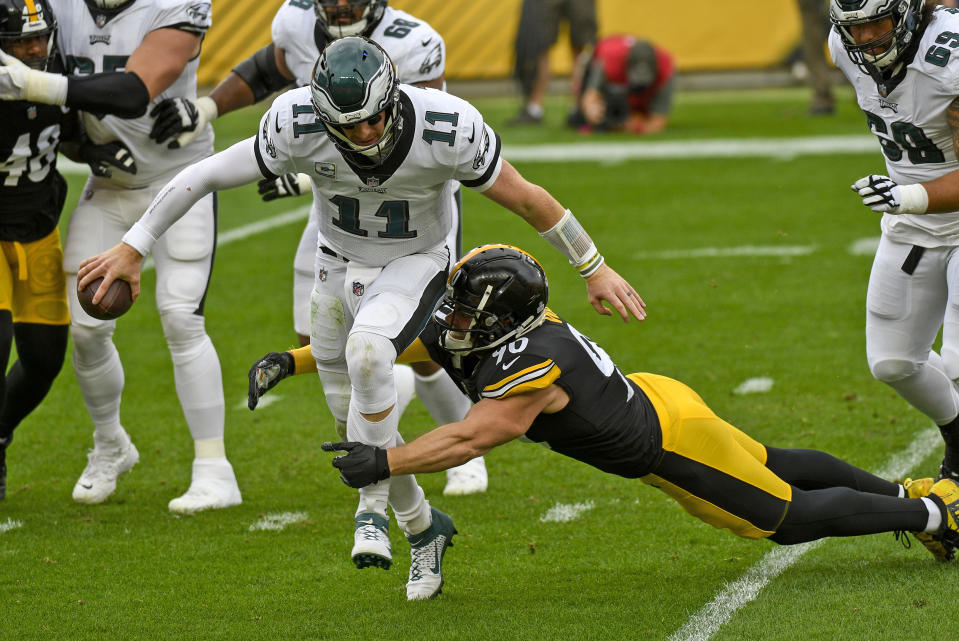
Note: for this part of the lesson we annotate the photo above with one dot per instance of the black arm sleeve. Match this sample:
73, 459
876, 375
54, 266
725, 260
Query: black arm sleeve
116, 93
261, 73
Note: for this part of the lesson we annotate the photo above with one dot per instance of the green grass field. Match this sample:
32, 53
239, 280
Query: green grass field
632, 564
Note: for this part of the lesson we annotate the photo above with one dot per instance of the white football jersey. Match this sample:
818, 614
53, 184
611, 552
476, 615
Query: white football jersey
375, 214
911, 123
416, 49
94, 41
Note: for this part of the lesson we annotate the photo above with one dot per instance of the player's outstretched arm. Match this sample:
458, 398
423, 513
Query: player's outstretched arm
230, 168
560, 229
489, 423
152, 68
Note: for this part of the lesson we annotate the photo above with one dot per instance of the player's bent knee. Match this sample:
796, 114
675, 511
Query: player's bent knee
184, 333
891, 370
91, 342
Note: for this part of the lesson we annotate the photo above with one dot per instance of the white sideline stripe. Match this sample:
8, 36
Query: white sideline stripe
10, 524
705, 623
865, 246
727, 252
711, 148
277, 521
757, 385
639, 150
563, 512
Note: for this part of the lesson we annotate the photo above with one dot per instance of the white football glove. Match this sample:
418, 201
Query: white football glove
182, 118
20, 82
283, 187
883, 194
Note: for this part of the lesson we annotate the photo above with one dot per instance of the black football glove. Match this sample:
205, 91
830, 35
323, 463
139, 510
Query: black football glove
362, 465
102, 157
285, 186
181, 119
266, 373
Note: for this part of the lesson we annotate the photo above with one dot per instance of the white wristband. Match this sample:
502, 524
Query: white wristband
207, 107
569, 237
46, 88
913, 199
304, 183
139, 239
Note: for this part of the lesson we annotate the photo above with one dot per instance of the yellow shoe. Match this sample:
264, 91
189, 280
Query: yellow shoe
916, 489
946, 491
933, 542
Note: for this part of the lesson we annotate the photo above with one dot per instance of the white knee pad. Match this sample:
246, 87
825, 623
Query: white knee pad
336, 389
369, 359
891, 370
92, 343
185, 334
328, 329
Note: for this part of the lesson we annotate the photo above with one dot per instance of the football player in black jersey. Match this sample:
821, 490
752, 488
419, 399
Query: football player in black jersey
532, 374
33, 304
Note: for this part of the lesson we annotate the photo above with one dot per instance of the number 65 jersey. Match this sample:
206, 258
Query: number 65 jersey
911, 124
375, 214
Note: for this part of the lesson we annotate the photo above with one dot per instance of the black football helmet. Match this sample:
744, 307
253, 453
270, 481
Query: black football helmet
339, 18
23, 19
354, 80
881, 57
494, 294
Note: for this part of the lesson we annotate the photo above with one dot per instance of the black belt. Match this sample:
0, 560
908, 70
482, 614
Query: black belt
329, 252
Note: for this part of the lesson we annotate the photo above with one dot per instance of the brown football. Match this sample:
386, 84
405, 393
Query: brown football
118, 299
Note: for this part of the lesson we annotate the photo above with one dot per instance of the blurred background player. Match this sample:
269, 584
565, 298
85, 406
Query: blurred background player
300, 31
904, 76
815, 68
627, 85
125, 55
33, 295
537, 32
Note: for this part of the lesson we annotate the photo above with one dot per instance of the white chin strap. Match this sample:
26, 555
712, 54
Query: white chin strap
885, 59
109, 4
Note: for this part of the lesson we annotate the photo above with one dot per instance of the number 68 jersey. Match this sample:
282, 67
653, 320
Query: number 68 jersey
911, 123
375, 214
609, 422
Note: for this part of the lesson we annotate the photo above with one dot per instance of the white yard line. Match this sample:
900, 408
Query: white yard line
277, 521
705, 623
10, 524
563, 512
728, 252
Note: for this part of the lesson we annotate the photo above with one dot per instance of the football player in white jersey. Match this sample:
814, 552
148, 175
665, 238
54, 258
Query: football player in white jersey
383, 159
902, 58
134, 53
301, 29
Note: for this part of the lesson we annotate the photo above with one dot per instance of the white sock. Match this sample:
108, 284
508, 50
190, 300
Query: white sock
935, 516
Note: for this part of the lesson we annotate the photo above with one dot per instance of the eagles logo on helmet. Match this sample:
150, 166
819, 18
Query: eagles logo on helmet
24, 24
885, 56
494, 294
353, 81
342, 18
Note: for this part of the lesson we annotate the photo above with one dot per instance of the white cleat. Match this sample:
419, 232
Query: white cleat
405, 387
104, 466
468, 478
213, 487
371, 541
427, 549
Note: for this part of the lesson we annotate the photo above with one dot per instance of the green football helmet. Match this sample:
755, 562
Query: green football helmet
353, 81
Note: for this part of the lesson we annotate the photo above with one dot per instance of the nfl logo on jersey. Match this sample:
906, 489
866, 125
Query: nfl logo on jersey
372, 181
358, 288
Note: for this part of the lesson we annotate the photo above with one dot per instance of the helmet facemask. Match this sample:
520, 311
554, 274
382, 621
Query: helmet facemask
353, 18
496, 294
882, 57
22, 21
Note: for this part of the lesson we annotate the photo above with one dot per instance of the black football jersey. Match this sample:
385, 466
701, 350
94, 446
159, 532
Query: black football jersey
608, 423
31, 190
